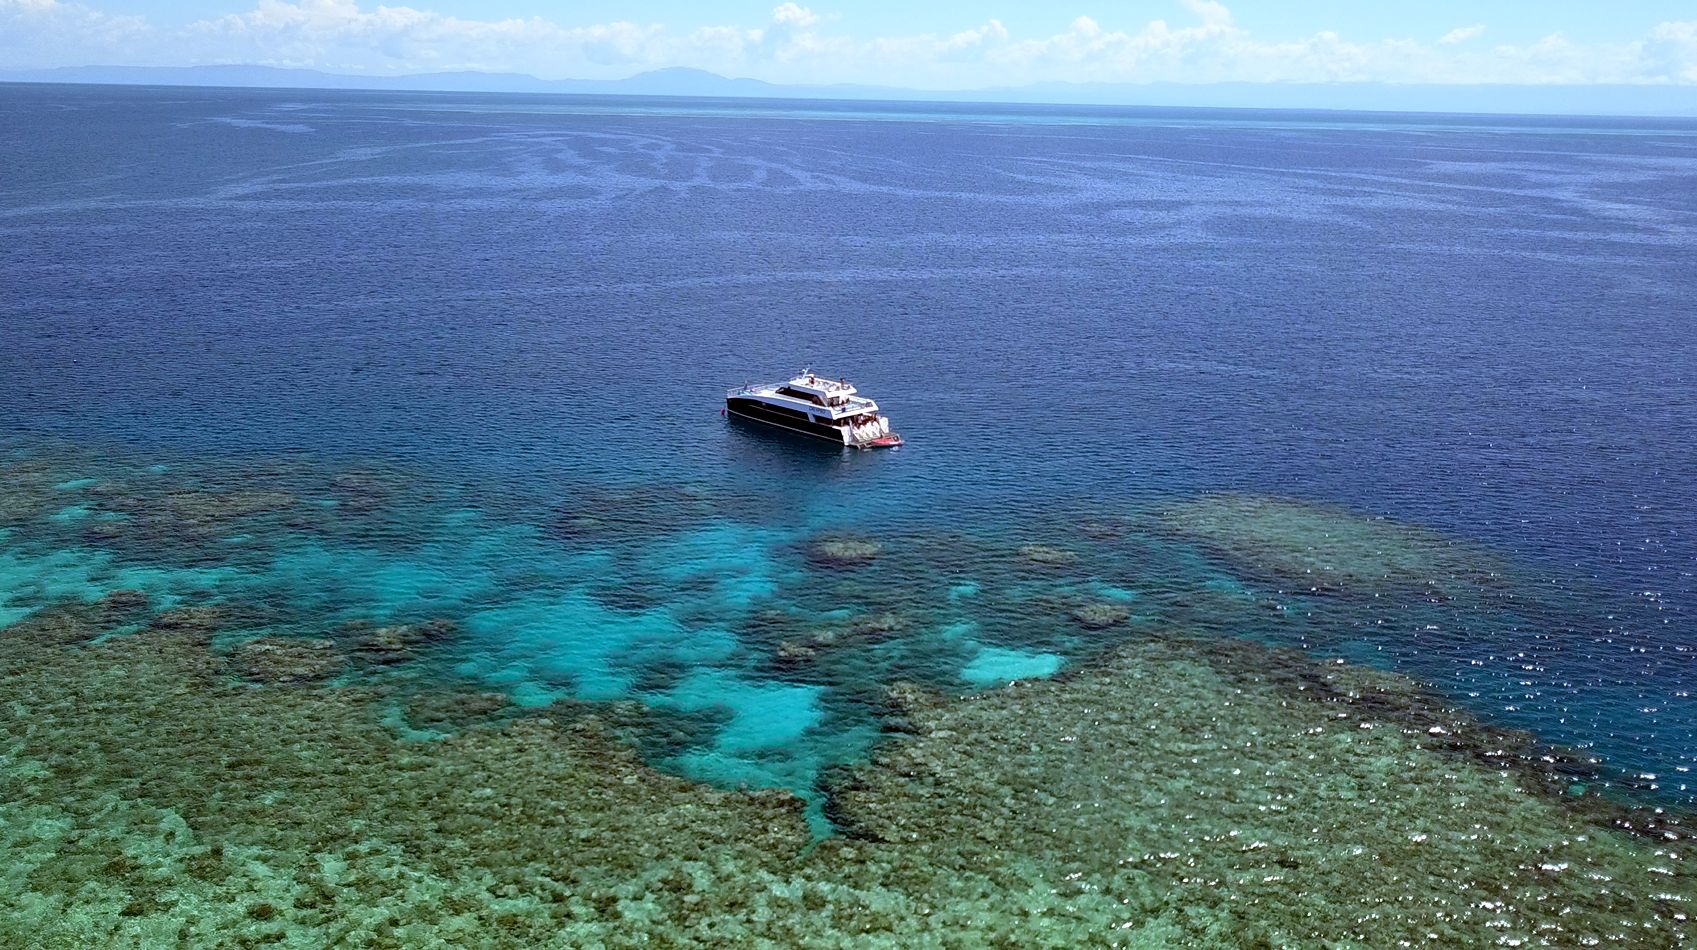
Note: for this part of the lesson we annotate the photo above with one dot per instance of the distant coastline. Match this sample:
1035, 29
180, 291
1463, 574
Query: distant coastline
1648, 101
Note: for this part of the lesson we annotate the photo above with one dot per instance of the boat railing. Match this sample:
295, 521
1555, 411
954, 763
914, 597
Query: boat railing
820, 383
851, 403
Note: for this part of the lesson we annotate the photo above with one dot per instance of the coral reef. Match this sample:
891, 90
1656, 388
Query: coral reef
843, 551
1101, 529
146, 799
1323, 549
1047, 554
228, 755
799, 651
288, 659
27, 490
1101, 615
185, 515
441, 710
1161, 799
602, 514
396, 643
366, 490
1167, 795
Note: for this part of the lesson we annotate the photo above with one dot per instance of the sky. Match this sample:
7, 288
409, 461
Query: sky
941, 44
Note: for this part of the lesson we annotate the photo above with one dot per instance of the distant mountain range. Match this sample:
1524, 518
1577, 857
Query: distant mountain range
1664, 100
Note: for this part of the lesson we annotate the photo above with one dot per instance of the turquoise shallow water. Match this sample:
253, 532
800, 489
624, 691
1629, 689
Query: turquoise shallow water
661, 595
764, 651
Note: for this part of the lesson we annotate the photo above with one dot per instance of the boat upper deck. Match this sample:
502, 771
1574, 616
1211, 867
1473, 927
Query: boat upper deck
820, 386
836, 396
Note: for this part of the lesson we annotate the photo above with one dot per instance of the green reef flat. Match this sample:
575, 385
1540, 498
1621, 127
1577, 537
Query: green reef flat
158, 791
289, 705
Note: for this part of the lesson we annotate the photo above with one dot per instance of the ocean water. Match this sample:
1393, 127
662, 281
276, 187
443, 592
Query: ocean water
1411, 392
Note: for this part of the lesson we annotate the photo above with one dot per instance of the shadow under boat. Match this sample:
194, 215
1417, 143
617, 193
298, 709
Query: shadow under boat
768, 435
775, 449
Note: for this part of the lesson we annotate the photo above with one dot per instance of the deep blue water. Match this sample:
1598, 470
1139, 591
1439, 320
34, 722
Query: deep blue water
1483, 326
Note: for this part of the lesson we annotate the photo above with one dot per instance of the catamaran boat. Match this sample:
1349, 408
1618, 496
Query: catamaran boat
818, 406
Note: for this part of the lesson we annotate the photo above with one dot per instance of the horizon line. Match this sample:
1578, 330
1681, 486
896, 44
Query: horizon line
144, 75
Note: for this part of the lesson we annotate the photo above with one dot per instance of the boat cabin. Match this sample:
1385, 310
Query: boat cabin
819, 391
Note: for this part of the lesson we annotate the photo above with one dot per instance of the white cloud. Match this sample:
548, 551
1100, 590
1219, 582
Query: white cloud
795, 15
795, 43
1670, 53
339, 34
991, 32
1213, 15
45, 33
1462, 34
1086, 50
